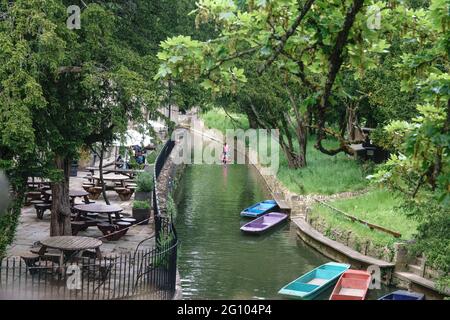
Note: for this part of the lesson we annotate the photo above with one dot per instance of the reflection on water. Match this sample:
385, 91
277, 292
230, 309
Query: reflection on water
216, 260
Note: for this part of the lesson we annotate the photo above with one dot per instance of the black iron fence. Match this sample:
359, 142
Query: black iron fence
143, 274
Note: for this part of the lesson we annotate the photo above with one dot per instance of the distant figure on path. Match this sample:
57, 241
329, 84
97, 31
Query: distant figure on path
225, 153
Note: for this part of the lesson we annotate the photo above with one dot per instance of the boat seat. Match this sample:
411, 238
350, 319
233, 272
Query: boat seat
354, 283
257, 225
318, 281
300, 286
351, 292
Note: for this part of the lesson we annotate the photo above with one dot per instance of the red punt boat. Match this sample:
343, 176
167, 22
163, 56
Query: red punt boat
352, 285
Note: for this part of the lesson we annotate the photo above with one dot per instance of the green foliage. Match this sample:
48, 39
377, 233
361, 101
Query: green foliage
8, 224
151, 157
412, 169
171, 208
218, 119
165, 241
324, 174
144, 181
419, 167
141, 204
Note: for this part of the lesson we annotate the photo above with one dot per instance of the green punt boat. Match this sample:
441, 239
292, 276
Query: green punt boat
311, 284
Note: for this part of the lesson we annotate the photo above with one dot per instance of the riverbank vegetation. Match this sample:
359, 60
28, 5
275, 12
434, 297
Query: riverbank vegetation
323, 70
379, 207
217, 118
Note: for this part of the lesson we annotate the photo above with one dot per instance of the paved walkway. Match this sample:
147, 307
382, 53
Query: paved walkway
31, 229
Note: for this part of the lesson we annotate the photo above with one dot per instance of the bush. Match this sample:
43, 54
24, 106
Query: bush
144, 182
171, 207
141, 205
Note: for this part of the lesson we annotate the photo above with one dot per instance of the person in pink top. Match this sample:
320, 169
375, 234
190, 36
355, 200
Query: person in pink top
225, 153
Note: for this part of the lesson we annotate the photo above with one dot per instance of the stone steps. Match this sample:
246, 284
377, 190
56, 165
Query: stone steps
417, 270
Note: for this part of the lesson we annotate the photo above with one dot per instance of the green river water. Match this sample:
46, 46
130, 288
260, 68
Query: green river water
216, 260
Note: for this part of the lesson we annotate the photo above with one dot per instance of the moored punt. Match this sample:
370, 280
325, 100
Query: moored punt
311, 284
262, 224
352, 285
403, 295
259, 209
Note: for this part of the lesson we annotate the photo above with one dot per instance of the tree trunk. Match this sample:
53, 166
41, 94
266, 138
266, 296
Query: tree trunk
302, 137
100, 170
60, 219
335, 63
252, 121
296, 160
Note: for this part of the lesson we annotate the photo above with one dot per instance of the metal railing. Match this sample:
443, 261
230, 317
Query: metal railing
147, 274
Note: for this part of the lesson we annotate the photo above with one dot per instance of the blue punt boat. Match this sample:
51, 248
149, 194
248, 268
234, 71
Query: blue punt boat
259, 209
403, 295
311, 284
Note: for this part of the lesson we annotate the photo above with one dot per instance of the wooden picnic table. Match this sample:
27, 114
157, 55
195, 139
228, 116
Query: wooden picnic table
100, 208
127, 172
70, 245
113, 178
72, 194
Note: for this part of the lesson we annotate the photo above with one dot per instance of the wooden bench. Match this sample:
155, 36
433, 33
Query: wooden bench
94, 191
34, 202
129, 220
109, 230
41, 208
97, 270
124, 193
52, 255
78, 226
33, 195
29, 258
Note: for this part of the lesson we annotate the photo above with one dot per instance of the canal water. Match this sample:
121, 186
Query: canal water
216, 260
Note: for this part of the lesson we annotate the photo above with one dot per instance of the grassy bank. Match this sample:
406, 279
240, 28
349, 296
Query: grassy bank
218, 119
378, 207
323, 175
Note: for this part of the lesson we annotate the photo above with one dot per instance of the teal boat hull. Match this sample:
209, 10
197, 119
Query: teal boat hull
315, 282
259, 209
